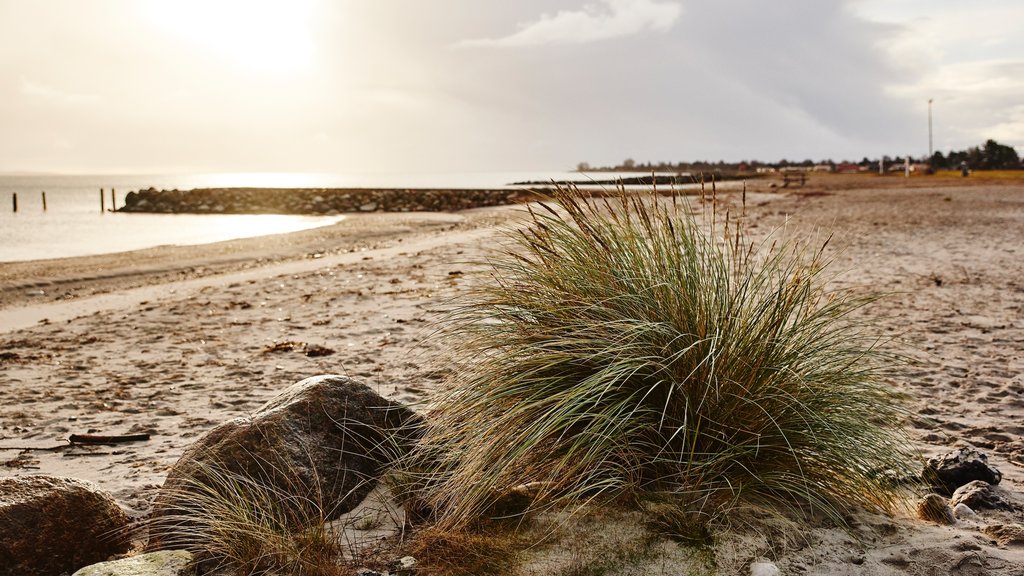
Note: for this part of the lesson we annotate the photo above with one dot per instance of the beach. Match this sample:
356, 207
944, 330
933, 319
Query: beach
171, 341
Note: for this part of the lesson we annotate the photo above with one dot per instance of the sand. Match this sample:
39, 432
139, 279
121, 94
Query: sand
174, 340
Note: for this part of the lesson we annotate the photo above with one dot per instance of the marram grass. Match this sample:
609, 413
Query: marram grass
620, 347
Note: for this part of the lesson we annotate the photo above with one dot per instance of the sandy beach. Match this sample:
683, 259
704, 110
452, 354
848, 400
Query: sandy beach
174, 340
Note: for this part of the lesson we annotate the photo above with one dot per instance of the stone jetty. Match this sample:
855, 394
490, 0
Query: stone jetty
317, 200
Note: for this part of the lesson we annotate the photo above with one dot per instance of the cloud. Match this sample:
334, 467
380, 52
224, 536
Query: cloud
611, 19
53, 95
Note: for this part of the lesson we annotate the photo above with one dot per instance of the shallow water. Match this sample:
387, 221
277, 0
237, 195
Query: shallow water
73, 223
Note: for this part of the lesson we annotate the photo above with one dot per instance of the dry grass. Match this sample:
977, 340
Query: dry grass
623, 347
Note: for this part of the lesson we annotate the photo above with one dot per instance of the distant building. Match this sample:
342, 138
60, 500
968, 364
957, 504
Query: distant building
847, 168
822, 168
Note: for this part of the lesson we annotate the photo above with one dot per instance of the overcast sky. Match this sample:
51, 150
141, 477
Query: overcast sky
105, 86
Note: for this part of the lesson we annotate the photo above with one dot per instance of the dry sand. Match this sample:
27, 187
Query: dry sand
173, 341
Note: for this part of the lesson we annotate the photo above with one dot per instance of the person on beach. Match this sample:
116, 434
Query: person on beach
964, 170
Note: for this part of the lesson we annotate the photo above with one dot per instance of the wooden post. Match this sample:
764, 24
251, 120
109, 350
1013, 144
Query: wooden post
113, 201
102, 205
14, 198
44, 200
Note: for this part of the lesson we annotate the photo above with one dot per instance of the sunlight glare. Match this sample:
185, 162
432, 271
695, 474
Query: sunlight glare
267, 36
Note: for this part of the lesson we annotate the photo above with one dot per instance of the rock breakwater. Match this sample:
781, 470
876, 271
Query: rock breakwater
315, 200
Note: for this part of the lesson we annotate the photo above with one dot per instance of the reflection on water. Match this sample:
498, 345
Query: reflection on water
42, 235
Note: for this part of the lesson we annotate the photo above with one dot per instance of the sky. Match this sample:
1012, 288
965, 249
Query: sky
376, 86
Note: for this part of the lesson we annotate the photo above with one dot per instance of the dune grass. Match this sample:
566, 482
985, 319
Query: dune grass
238, 523
626, 347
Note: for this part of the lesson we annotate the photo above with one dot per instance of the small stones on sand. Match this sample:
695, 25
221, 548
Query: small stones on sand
310, 350
935, 508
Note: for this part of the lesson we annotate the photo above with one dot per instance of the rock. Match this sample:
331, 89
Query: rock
950, 471
51, 525
964, 512
368, 207
764, 569
326, 438
935, 508
162, 563
978, 495
404, 566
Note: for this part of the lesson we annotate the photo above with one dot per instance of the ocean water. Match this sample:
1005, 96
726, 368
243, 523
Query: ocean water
74, 225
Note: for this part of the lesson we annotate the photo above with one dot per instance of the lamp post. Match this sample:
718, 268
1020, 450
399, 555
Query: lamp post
930, 130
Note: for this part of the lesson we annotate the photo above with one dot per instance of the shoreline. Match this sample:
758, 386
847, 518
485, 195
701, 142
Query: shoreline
33, 282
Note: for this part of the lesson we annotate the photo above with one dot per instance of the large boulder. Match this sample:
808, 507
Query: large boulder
51, 526
950, 471
326, 439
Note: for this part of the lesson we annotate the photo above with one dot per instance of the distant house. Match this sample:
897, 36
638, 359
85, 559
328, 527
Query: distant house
822, 168
847, 168
766, 169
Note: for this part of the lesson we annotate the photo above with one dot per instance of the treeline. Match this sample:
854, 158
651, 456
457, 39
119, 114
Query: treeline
990, 156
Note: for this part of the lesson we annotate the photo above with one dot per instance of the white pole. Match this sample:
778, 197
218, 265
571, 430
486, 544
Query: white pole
906, 167
930, 152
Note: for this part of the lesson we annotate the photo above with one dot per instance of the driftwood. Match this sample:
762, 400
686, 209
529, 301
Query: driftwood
82, 439
98, 439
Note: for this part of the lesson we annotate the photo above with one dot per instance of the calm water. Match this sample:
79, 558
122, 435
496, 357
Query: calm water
73, 225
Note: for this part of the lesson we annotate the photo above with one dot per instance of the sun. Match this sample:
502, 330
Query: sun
269, 36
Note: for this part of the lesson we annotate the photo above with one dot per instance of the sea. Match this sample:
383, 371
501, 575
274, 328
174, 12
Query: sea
73, 223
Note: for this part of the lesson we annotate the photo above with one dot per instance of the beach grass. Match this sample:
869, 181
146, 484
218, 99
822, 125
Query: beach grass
236, 523
630, 348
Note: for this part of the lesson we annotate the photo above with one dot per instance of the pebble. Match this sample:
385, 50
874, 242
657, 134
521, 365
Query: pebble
764, 569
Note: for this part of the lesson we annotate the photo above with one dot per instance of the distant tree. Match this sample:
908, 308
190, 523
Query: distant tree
583, 167
996, 156
938, 161
629, 164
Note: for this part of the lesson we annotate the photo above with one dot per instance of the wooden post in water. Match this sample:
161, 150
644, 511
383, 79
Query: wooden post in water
14, 199
102, 205
113, 200
44, 200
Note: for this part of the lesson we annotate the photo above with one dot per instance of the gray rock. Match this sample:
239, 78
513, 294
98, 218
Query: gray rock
404, 566
51, 525
162, 563
950, 471
764, 569
328, 438
964, 512
978, 495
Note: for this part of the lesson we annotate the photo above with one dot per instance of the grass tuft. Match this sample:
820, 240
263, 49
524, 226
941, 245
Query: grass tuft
624, 345
235, 523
